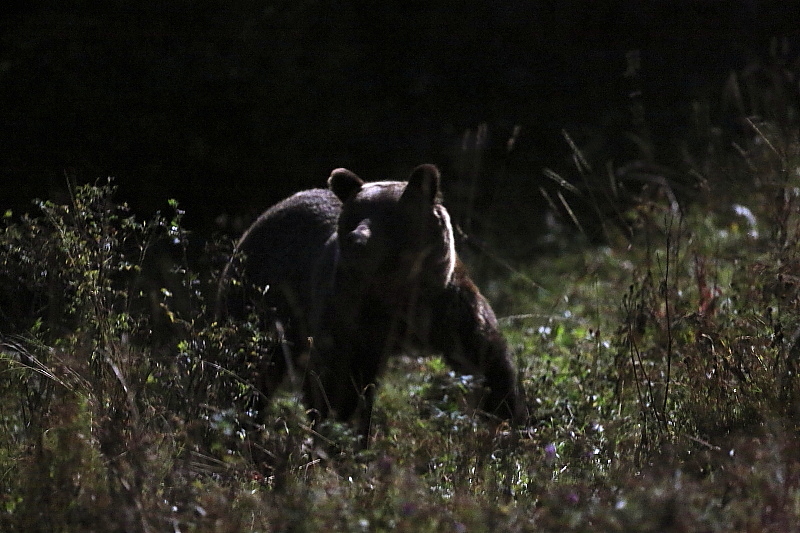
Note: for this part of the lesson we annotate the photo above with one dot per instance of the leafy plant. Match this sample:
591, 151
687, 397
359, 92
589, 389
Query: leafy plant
659, 367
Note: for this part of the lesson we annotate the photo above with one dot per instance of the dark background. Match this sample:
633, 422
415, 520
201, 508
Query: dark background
229, 106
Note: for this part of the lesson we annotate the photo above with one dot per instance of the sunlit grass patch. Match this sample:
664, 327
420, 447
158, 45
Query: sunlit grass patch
660, 372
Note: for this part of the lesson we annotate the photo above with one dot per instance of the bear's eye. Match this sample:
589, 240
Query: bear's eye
347, 224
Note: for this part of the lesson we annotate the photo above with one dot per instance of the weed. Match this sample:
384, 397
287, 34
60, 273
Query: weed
660, 369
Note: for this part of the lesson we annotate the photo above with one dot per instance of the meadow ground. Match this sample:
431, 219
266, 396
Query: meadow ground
659, 370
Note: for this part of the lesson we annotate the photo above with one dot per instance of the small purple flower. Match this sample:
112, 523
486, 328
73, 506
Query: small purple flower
573, 498
550, 453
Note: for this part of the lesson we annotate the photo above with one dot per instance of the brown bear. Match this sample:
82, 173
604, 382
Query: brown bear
351, 275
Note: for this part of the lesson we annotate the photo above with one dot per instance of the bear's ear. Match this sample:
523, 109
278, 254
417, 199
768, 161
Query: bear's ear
424, 183
344, 183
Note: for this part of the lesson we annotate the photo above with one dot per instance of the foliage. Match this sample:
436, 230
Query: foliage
660, 371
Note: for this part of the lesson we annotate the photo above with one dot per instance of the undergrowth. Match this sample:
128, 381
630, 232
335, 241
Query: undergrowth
659, 370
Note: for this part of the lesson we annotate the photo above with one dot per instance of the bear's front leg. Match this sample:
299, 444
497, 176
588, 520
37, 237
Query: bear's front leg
341, 380
465, 330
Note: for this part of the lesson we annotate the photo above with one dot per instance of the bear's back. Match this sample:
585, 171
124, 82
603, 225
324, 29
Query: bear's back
290, 235
287, 251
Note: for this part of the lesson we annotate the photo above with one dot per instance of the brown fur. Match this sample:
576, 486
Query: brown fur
367, 272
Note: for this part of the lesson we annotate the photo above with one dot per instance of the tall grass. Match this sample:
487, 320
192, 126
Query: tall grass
660, 371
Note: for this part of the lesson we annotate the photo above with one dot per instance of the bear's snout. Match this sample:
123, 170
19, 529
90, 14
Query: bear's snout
359, 237
359, 250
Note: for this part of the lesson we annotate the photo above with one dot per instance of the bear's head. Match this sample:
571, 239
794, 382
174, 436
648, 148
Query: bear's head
393, 234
